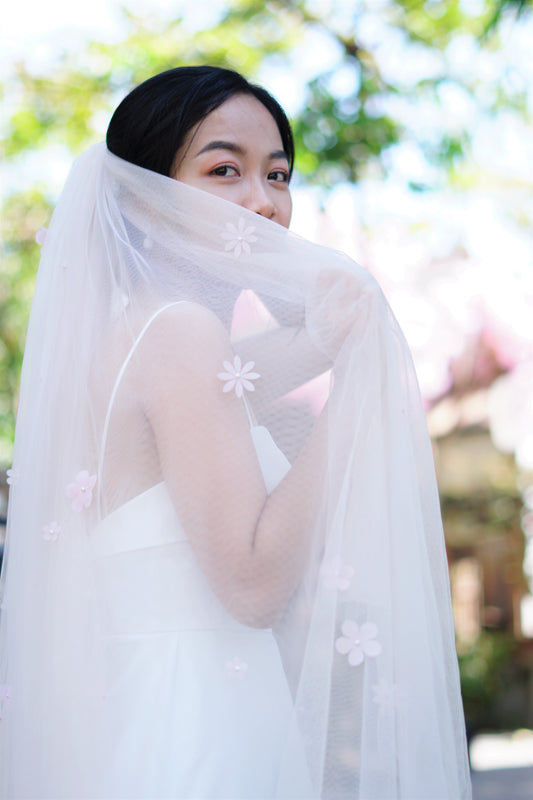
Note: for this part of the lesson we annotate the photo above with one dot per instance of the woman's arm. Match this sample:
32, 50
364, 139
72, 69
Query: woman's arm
297, 360
252, 546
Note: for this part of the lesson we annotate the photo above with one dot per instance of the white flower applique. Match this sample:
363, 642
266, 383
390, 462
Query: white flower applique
40, 236
238, 377
358, 642
80, 491
12, 476
239, 237
236, 668
336, 575
5, 700
51, 531
387, 696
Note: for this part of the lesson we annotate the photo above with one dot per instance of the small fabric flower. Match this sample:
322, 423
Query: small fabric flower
239, 237
358, 641
236, 668
40, 236
386, 695
238, 377
51, 531
336, 575
80, 491
12, 476
5, 700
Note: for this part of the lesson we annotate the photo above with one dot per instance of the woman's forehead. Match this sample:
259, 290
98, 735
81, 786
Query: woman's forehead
243, 123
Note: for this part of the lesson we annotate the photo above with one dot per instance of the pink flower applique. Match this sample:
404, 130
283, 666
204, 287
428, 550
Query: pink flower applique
358, 641
80, 491
387, 695
51, 531
236, 668
12, 476
5, 700
239, 237
336, 575
238, 377
40, 236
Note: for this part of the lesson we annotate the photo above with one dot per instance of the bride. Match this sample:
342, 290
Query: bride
225, 572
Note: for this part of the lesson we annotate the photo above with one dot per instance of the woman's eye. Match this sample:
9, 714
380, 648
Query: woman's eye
279, 176
224, 171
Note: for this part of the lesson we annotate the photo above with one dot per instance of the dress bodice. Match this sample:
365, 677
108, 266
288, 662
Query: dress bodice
143, 545
183, 676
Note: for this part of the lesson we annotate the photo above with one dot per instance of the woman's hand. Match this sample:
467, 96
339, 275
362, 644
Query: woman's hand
252, 546
337, 304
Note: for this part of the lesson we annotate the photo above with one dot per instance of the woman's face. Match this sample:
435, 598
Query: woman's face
236, 152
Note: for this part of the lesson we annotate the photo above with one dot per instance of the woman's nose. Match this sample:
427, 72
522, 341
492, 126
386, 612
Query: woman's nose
259, 201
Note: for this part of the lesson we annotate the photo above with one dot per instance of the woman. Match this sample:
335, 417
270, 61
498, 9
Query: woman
226, 575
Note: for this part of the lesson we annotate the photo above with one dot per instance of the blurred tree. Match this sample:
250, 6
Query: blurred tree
493, 685
382, 56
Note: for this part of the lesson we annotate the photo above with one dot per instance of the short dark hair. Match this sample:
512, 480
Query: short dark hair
151, 123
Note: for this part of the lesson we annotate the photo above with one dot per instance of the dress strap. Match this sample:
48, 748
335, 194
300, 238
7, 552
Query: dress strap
116, 385
249, 413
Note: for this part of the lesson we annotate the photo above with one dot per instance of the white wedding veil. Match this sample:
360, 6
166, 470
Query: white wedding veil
143, 283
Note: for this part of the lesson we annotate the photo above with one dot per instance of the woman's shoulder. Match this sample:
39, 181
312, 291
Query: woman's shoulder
186, 314
185, 333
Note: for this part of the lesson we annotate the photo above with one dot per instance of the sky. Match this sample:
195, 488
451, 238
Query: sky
33, 29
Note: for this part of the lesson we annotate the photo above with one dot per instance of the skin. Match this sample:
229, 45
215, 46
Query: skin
236, 153
253, 172
252, 546
253, 551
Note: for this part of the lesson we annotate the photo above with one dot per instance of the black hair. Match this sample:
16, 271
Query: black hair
151, 123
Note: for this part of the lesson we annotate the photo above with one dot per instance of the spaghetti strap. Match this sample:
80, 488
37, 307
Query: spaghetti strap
116, 385
122, 370
249, 413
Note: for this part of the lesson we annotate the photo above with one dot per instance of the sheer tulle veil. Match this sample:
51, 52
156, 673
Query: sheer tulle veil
366, 638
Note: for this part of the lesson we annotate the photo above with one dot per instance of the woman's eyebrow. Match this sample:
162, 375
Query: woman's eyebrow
218, 144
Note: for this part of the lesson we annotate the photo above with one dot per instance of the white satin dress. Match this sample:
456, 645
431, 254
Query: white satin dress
197, 704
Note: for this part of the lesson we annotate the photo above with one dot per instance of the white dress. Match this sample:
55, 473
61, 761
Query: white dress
198, 704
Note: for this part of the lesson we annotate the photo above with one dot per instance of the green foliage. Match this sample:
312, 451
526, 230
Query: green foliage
338, 136
341, 133
23, 215
491, 684
65, 105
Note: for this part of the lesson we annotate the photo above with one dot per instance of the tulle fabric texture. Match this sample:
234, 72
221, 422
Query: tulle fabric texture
360, 662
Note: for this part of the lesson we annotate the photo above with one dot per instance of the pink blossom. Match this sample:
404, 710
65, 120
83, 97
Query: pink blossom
358, 641
238, 377
40, 236
5, 700
13, 476
336, 575
239, 237
236, 668
387, 695
80, 491
51, 531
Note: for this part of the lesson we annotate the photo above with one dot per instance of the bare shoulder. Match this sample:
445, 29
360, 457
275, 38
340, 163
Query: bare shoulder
184, 331
181, 353
187, 317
